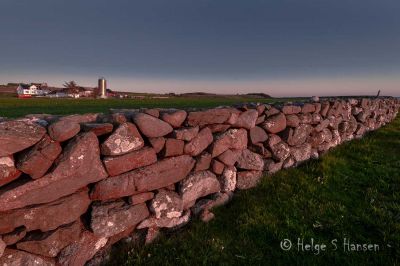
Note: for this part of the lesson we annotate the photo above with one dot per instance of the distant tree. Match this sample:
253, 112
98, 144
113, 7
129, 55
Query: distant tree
71, 87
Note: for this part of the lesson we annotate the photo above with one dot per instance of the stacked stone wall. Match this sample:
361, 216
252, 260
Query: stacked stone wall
72, 186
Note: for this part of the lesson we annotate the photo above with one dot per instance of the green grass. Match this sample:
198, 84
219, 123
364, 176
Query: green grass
14, 107
351, 192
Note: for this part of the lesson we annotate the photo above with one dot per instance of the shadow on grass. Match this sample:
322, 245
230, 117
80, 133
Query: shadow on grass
352, 192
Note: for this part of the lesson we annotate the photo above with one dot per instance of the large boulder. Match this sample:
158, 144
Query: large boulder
174, 117
79, 252
49, 244
116, 165
150, 126
37, 160
247, 119
46, 217
199, 143
78, 166
158, 175
111, 218
308, 108
126, 138
275, 123
248, 179
292, 120
8, 172
16, 136
211, 116
13, 257
231, 139
198, 185
203, 161
249, 160
63, 130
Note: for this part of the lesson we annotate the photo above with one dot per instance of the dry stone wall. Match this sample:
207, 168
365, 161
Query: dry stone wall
70, 187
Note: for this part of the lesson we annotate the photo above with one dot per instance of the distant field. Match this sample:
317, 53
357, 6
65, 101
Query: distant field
14, 107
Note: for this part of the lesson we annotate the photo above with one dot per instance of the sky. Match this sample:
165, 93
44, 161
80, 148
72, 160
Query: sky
278, 47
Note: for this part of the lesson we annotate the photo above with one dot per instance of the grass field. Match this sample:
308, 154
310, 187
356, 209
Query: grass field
352, 192
14, 107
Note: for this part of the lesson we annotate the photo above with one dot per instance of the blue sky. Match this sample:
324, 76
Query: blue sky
281, 47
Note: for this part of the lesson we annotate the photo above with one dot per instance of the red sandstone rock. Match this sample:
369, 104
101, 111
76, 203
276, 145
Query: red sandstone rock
98, 128
8, 172
248, 179
275, 123
16, 136
272, 167
141, 198
37, 160
228, 179
48, 216
173, 147
198, 185
157, 143
203, 161
308, 108
298, 135
273, 139
153, 222
116, 165
247, 119
153, 112
324, 108
199, 143
63, 130
317, 107
231, 139
257, 135
186, 134
166, 204
2, 246
13, 257
301, 152
260, 149
217, 167
260, 119
79, 252
161, 174
229, 157
218, 128
280, 151
260, 109
250, 161
174, 117
270, 111
14, 236
150, 126
292, 120
49, 244
305, 118
126, 138
288, 162
85, 118
211, 116
291, 109
78, 166
111, 218
115, 119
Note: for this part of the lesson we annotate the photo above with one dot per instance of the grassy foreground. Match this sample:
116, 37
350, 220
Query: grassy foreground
352, 192
14, 107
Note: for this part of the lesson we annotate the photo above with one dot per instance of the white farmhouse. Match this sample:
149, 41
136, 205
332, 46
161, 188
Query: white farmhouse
27, 91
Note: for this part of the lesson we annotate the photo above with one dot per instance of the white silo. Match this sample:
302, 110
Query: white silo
102, 88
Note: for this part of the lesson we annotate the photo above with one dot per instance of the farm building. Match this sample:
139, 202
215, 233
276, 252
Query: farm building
28, 91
